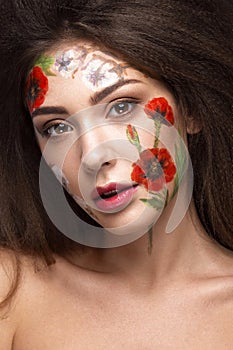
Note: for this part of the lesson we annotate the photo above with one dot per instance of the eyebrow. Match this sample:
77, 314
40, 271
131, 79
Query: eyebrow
49, 110
100, 95
95, 99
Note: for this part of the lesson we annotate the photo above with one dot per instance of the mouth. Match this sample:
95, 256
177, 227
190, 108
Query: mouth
113, 196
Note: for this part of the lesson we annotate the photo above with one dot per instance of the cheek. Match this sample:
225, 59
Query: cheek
63, 160
41, 143
71, 168
160, 153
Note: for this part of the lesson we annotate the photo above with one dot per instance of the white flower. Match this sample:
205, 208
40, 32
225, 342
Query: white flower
99, 74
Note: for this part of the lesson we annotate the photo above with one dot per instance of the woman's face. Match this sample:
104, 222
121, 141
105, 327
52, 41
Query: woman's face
108, 132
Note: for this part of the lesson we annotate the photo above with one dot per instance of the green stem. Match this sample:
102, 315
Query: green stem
157, 132
150, 240
166, 199
139, 148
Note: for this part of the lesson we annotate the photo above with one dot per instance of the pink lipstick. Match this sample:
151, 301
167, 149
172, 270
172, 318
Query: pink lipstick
113, 196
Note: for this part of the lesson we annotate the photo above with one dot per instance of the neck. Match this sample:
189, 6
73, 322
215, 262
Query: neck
186, 253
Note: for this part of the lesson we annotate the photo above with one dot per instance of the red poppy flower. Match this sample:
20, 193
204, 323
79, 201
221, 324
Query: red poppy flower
159, 109
154, 168
36, 88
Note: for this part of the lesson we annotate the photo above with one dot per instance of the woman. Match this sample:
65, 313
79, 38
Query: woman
110, 95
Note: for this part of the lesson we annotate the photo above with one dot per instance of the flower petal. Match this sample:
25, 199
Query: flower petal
154, 168
159, 109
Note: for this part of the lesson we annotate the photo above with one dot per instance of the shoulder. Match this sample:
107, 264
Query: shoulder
18, 283
9, 277
8, 296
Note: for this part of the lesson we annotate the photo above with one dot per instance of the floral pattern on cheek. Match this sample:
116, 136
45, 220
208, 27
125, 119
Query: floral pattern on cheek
36, 88
155, 166
159, 109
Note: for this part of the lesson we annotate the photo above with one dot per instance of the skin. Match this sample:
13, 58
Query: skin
179, 297
83, 104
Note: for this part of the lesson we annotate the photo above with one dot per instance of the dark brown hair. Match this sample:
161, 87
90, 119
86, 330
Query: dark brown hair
187, 43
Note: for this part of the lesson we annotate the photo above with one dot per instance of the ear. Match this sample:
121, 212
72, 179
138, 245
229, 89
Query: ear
193, 126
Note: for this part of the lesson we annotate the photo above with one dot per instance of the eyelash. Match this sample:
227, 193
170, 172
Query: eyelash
46, 132
132, 102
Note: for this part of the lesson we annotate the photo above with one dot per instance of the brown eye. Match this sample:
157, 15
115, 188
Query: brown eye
121, 108
57, 129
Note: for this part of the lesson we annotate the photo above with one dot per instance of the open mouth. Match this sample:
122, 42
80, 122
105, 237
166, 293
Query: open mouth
113, 196
112, 193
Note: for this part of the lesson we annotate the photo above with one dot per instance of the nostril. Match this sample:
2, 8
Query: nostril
110, 162
106, 164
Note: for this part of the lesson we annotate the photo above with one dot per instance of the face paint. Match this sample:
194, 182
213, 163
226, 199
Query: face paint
37, 82
95, 70
155, 166
158, 109
36, 88
98, 72
68, 62
60, 176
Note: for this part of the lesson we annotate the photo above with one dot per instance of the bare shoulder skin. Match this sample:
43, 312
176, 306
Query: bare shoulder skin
69, 307
8, 313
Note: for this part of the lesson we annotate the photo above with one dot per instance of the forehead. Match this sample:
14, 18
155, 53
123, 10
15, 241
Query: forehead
77, 73
94, 67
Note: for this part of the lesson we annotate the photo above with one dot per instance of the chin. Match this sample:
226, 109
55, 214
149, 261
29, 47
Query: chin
135, 220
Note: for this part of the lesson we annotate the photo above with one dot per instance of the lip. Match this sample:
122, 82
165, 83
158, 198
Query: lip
105, 199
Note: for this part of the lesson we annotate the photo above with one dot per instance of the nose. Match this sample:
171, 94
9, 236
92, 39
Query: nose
98, 158
96, 153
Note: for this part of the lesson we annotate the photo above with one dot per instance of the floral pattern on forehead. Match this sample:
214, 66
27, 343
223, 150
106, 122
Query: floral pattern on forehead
100, 73
96, 70
68, 62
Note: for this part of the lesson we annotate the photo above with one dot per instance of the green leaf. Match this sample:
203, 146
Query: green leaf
45, 62
159, 194
154, 202
180, 160
176, 185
